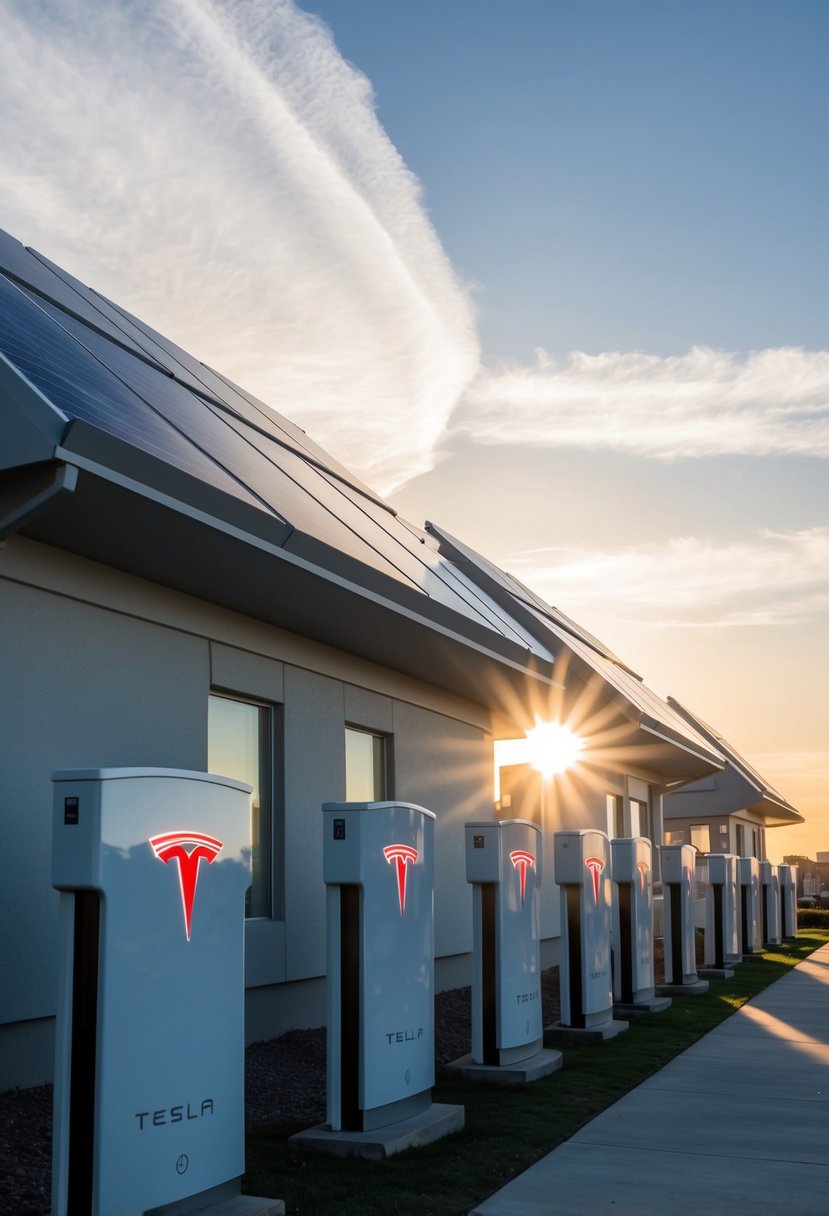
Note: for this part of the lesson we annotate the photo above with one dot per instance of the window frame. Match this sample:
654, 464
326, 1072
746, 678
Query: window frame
269, 739
386, 761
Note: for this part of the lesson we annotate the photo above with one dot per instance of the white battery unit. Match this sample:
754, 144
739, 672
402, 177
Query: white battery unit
787, 877
503, 862
632, 871
378, 861
722, 939
679, 889
770, 887
751, 920
149, 1076
582, 870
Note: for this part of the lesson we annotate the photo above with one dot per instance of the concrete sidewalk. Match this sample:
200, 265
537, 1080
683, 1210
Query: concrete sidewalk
737, 1123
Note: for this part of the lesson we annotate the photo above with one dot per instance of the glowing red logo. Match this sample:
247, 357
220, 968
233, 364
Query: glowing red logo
402, 855
520, 858
642, 867
187, 848
595, 865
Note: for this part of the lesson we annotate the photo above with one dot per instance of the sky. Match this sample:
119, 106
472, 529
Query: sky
550, 274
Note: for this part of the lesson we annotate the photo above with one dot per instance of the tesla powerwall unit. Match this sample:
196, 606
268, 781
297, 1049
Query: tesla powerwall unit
770, 887
722, 939
787, 877
582, 870
153, 866
503, 862
378, 860
633, 982
679, 889
751, 921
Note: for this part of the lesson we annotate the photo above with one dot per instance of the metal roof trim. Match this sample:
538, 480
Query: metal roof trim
659, 731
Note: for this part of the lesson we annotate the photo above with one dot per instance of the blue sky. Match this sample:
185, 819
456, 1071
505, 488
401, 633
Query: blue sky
552, 275
615, 176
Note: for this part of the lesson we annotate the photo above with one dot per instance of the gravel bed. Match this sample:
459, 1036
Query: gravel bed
284, 1082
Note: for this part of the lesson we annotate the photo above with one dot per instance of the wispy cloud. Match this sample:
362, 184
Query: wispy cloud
705, 403
219, 169
771, 578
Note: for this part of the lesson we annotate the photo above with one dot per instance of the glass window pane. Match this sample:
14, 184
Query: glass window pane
615, 816
365, 777
701, 837
238, 745
640, 819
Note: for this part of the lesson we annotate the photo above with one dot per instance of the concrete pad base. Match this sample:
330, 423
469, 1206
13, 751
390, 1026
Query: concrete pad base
564, 1036
716, 973
655, 1004
433, 1124
222, 1200
522, 1072
246, 1205
699, 988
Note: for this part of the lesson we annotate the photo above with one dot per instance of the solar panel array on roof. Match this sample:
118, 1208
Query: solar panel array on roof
97, 363
554, 630
630, 686
524, 595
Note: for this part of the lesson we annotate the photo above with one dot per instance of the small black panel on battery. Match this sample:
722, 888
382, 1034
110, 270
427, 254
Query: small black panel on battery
339, 829
478, 842
71, 808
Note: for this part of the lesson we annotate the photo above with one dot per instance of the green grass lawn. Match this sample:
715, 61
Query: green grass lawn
506, 1129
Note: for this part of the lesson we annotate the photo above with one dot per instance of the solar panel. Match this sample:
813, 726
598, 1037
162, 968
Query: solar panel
50, 281
99, 363
81, 387
526, 596
432, 573
276, 476
58, 286
206, 380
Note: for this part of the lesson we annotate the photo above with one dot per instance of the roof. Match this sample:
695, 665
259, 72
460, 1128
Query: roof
653, 716
121, 447
760, 795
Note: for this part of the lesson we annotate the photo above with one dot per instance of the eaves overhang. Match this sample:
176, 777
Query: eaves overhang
141, 516
670, 754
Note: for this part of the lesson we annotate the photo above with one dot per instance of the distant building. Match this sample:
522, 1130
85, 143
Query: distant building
725, 812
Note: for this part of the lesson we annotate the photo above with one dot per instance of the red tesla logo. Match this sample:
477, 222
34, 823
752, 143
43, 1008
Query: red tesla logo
402, 855
595, 865
520, 858
642, 867
187, 848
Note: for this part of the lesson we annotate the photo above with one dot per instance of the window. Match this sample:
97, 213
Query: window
701, 837
640, 819
675, 837
615, 816
240, 745
366, 778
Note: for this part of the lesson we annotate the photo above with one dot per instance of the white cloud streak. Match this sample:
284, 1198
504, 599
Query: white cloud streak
771, 578
705, 403
219, 169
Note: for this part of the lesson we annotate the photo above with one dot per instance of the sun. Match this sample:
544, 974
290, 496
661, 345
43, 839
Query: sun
552, 747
